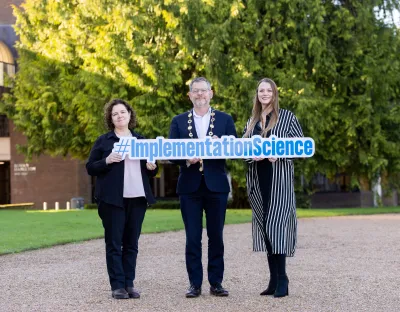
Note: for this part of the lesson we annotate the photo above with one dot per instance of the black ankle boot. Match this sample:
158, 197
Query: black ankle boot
273, 278
282, 287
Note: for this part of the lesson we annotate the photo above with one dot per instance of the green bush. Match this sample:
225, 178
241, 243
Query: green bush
162, 204
166, 204
90, 206
303, 200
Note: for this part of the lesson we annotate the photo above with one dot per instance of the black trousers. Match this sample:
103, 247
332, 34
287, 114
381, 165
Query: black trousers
214, 205
122, 227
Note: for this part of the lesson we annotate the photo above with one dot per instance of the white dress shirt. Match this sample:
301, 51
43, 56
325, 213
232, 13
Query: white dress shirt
202, 123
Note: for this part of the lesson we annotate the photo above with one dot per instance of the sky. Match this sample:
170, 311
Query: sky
396, 15
396, 18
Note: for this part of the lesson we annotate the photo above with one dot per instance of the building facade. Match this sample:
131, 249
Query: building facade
43, 179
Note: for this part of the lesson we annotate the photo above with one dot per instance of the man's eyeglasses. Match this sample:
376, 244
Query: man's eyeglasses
196, 91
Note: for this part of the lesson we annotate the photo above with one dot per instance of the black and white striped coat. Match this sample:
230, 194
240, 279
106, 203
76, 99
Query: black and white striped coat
281, 222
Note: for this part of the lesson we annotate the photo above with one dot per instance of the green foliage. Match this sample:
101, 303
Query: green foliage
166, 204
303, 200
75, 56
90, 206
336, 64
161, 204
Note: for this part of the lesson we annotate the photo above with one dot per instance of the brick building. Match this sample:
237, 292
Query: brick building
44, 179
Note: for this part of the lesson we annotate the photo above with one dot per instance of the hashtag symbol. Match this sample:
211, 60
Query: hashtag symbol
122, 147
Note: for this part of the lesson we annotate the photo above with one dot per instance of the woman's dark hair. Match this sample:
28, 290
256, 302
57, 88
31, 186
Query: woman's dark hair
108, 110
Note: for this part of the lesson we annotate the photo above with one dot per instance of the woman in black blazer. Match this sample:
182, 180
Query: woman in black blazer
123, 193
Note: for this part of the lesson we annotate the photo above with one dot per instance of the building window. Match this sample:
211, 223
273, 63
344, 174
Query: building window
4, 126
6, 70
7, 64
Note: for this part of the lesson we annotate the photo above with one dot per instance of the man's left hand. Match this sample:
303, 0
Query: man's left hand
151, 166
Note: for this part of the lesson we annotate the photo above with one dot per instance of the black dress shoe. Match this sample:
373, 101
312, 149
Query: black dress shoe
218, 290
193, 292
120, 294
133, 293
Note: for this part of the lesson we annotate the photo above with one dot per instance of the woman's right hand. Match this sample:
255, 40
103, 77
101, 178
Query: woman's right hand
113, 157
258, 158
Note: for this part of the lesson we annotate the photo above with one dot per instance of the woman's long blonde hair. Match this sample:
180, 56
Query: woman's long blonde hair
257, 110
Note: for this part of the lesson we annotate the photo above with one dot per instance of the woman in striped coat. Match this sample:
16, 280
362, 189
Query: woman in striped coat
270, 187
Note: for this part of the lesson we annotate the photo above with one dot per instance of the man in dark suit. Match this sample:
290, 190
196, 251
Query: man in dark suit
203, 185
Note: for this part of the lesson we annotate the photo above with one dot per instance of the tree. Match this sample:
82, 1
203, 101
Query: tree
75, 56
336, 64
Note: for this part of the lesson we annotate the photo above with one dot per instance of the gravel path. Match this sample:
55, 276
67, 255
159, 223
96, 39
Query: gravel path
341, 264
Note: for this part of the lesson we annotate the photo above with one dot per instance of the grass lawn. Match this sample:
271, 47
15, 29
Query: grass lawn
23, 229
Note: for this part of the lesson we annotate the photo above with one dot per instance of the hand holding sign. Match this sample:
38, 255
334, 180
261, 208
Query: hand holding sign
193, 161
113, 157
151, 166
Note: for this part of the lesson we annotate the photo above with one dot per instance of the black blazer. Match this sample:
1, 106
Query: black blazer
214, 169
110, 178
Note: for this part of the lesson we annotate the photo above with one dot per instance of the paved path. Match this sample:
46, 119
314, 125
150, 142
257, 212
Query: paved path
341, 264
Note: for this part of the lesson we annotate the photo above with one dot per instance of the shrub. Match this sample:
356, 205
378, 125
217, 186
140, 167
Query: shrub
166, 204
303, 200
90, 206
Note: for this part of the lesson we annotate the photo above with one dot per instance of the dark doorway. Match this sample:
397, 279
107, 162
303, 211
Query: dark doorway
5, 182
